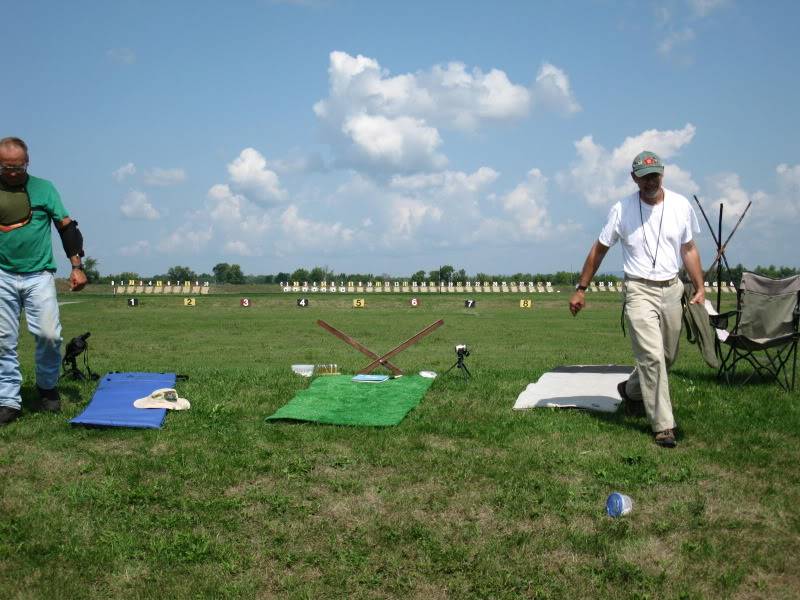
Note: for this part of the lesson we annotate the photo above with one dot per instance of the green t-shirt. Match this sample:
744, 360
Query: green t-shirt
29, 249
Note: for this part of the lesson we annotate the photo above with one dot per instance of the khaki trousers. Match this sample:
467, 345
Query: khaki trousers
653, 318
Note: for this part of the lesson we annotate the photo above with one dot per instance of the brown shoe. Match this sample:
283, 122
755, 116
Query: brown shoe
8, 414
632, 408
666, 438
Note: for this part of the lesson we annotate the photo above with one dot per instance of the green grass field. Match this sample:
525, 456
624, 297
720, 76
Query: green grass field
464, 499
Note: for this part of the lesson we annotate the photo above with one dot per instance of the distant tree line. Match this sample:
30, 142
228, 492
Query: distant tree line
224, 273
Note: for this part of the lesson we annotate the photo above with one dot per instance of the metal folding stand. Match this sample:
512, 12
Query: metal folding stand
383, 360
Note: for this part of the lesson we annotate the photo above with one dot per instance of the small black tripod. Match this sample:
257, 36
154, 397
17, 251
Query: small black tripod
77, 346
461, 354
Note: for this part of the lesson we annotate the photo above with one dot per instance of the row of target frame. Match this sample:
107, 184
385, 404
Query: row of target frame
541, 288
158, 287
416, 288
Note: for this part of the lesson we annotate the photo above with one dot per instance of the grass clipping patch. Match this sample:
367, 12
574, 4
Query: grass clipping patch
337, 400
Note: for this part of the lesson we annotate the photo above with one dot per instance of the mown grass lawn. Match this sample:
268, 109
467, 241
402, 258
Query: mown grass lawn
464, 499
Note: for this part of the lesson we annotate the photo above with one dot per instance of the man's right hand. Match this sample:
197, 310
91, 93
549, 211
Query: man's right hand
577, 302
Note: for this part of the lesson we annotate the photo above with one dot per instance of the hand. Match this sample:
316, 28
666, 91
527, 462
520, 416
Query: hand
699, 297
577, 302
77, 279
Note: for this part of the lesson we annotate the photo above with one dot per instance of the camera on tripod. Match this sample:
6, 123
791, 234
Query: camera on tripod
461, 353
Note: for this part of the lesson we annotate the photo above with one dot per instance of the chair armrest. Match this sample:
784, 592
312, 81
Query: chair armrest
720, 321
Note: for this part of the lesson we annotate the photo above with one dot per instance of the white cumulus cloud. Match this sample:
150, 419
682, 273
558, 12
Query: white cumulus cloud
527, 205
249, 173
225, 205
552, 90
450, 182
135, 205
366, 104
602, 176
124, 171
400, 143
728, 190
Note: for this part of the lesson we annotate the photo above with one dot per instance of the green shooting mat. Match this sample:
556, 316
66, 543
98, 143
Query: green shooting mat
337, 400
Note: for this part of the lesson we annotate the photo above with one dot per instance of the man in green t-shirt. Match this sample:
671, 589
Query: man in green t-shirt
27, 276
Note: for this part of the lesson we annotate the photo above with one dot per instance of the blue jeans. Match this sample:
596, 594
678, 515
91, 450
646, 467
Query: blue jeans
36, 293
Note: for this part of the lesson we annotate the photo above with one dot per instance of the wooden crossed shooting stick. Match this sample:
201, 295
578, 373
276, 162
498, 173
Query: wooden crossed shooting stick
381, 360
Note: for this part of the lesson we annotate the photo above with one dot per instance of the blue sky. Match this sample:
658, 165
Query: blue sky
394, 136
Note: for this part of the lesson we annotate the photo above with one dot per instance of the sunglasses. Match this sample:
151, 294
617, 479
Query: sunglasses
14, 168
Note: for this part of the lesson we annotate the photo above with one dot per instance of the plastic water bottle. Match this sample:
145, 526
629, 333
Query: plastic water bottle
618, 505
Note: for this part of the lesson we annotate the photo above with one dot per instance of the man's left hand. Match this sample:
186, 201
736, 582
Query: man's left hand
77, 279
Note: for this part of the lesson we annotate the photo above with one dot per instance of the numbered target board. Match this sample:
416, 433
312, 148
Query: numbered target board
526, 303
190, 301
469, 303
244, 302
133, 302
302, 302
359, 303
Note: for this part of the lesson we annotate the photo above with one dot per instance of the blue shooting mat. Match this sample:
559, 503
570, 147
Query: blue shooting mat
112, 403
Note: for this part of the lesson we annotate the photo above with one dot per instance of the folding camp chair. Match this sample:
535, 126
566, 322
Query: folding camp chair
765, 330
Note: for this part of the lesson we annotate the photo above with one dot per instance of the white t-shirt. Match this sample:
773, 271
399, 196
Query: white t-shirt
654, 235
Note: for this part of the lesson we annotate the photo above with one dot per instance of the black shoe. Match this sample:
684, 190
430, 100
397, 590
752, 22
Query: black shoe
49, 400
632, 408
8, 414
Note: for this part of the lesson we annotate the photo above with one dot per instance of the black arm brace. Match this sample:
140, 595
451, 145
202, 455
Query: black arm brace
72, 239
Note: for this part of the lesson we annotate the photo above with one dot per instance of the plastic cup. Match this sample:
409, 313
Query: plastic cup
618, 505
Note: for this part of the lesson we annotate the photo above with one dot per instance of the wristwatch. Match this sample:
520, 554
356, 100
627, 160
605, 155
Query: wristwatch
580, 288
79, 267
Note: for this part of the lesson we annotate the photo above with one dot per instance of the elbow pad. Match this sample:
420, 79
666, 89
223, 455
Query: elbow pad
72, 239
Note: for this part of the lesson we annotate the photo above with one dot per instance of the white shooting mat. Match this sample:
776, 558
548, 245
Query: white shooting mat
590, 387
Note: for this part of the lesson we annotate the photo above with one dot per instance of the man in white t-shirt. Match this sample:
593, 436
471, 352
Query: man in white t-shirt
656, 228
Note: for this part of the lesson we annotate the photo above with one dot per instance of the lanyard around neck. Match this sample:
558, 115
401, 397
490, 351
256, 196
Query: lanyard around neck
653, 255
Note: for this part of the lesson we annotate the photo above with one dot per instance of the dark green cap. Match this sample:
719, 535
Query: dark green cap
646, 163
